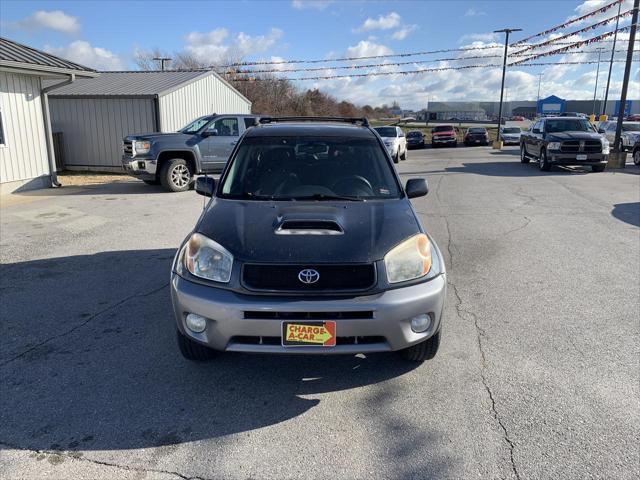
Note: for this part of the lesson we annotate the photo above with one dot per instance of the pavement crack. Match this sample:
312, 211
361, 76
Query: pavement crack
82, 324
480, 334
82, 458
521, 227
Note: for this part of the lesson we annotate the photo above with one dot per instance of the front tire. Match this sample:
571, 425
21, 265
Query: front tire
176, 175
597, 168
545, 166
403, 156
523, 155
396, 158
636, 156
422, 351
192, 350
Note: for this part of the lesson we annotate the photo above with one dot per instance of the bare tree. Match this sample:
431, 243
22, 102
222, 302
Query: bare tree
144, 59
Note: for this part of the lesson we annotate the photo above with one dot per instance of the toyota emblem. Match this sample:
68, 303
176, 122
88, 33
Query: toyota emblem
308, 276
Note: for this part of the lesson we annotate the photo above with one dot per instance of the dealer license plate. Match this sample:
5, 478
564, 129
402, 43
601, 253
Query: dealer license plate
309, 334
581, 157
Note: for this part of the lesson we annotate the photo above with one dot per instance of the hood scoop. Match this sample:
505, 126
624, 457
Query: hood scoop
309, 227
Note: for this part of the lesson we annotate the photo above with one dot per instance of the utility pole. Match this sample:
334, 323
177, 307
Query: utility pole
613, 51
539, 82
595, 89
162, 60
497, 144
619, 158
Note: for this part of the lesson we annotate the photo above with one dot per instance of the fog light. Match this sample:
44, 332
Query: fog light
421, 323
196, 323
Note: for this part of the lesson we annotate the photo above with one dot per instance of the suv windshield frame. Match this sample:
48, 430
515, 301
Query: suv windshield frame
566, 122
377, 142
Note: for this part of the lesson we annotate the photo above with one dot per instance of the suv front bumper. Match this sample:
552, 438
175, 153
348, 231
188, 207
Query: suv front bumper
227, 328
140, 167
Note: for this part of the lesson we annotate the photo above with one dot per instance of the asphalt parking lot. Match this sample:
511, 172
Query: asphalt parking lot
537, 374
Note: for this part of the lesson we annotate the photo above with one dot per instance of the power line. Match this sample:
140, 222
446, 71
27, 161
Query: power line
570, 22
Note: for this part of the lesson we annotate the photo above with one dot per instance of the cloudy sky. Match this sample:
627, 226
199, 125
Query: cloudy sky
106, 34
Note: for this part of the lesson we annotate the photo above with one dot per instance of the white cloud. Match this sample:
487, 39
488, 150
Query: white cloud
311, 4
403, 32
383, 22
85, 54
478, 37
472, 12
365, 48
591, 5
53, 20
217, 44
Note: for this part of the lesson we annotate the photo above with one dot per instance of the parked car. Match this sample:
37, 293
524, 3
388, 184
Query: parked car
510, 135
517, 118
633, 118
630, 133
636, 152
312, 253
173, 159
573, 114
476, 136
444, 135
415, 139
395, 142
564, 141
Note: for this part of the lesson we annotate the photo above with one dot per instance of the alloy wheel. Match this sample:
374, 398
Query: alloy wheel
180, 176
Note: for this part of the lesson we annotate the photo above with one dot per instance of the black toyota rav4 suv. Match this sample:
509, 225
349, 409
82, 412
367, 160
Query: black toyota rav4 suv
309, 245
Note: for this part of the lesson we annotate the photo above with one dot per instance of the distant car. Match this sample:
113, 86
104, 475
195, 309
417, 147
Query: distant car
573, 114
633, 118
395, 141
415, 139
517, 118
443, 135
510, 135
476, 136
636, 152
628, 137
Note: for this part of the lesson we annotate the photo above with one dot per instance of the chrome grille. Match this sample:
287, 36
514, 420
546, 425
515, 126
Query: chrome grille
580, 146
127, 148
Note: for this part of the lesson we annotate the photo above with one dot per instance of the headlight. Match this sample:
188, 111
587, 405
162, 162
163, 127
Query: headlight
389, 143
605, 146
207, 259
553, 146
142, 146
410, 260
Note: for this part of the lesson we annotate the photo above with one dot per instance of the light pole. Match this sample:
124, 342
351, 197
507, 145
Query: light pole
613, 51
162, 60
619, 158
595, 89
498, 144
539, 82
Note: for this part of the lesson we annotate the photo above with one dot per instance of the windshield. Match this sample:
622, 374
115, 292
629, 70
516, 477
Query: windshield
414, 134
568, 125
386, 131
444, 128
477, 130
316, 168
511, 130
196, 125
631, 127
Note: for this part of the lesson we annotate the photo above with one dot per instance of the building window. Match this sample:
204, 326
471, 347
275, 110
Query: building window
2, 136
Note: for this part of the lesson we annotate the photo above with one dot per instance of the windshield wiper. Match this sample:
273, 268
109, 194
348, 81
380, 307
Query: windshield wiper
322, 196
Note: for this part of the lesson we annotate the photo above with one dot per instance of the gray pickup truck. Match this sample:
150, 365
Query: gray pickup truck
173, 159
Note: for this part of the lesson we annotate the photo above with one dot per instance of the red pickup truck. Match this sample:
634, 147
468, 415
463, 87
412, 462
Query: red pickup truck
443, 135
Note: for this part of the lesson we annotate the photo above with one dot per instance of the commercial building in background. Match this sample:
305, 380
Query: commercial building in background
26, 147
91, 117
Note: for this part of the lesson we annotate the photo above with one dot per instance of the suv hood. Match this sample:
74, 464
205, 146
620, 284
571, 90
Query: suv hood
573, 136
248, 229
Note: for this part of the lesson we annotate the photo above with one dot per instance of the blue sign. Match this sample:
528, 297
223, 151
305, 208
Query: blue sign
627, 108
551, 105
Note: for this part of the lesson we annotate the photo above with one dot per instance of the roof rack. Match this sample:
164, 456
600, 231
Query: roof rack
354, 120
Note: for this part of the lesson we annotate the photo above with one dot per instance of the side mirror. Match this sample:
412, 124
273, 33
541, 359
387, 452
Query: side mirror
210, 133
416, 187
205, 186
536, 130
601, 130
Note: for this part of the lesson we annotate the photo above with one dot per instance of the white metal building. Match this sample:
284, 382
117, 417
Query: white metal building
94, 115
26, 149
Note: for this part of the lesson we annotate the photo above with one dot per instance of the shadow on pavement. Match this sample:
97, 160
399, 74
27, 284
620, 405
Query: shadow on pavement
513, 169
627, 212
89, 362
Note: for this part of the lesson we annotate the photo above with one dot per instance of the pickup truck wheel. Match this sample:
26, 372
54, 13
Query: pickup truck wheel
597, 168
523, 155
544, 162
396, 159
422, 351
636, 156
404, 155
192, 350
175, 175
152, 182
